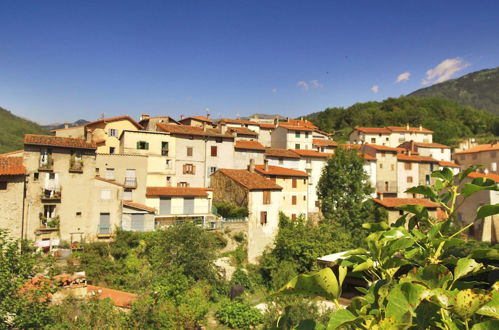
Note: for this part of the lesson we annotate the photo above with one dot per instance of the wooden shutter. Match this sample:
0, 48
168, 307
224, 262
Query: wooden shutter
263, 217
294, 183
213, 151
293, 200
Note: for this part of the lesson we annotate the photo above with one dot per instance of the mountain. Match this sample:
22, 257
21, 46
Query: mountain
449, 120
13, 128
79, 122
478, 89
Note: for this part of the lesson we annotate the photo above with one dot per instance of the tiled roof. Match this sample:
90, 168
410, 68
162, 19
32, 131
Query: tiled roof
57, 141
431, 145
12, 166
139, 206
324, 143
311, 153
199, 118
279, 171
66, 128
10, 153
366, 156
390, 129
109, 181
395, 202
373, 130
480, 148
250, 180
447, 164
117, 118
384, 148
189, 130
296, 128
119, 298
300, 122
491, 176
251, 145
177, 191
268, 126
242, 130
272, 152
413, 158
238, 121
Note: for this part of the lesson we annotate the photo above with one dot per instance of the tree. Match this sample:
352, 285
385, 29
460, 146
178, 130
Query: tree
344, 191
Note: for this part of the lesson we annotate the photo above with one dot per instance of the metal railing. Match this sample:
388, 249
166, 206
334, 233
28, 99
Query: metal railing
46, 163
51, 193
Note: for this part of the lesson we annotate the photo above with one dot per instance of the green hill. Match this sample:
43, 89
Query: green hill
449, 120
478, 89
13, 128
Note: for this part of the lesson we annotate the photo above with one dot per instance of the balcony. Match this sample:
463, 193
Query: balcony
51, 194
104, 231
49, 224
130, 182
46, 163
386, 186
76, 166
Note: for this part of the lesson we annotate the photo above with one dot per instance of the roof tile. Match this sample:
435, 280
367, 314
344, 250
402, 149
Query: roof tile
139, 206
279, 171
285, 153
480, 148
395, 202
250, 180
242, 130
491, 176
324, 143
312, 153
57, 141
12, 166
251, 145
177, 191
117, 118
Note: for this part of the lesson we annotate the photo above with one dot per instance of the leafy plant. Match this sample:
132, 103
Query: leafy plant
239, 315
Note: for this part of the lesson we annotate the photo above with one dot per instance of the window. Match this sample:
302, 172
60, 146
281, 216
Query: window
293, 200
427, 179
373, 140
168, 181
493, 167
111, 150
213, 151
381, 165
304, 198
266, 197
168, 163
112, 132
462, 157
212, 170
297, 146
3, 185
189, 169
78, 214
218, 140
164, 148
383, 154
431, 167
263, 218
409, 179
387, 139
49, 211
392, 167
297, 134
96, 170
36, 176
306, 135
408, 166
308, 161
142, 145
51, 176
442, 150
401, 212
294, 185
182, 184
105, 194
127, 195
474, 156
304, 181
189, 151
493, 154
281, 160
110, 173
293, 217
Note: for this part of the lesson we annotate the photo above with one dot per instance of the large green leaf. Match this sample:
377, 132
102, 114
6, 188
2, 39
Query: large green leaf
363, 266
444, 174
491, 308
468, 301
465, 266
322, 283
485, 253
487, 210
403, 299
487, 325
339, 318
423, 190
432, 276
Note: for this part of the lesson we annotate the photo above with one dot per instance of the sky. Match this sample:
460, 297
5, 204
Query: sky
66, 60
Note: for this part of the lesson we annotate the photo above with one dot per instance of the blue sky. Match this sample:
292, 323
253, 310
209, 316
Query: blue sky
65, 60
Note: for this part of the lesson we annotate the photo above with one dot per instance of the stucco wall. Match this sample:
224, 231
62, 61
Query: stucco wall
11, 202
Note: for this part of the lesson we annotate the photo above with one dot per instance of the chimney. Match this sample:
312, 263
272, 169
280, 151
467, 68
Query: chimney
420, 127
407, 126
251, 166
66, 125
380, 196
208, 115
266, 165
182, 117
144, 116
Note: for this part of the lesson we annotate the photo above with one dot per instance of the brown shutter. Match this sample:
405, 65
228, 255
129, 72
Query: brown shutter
293, 200
294, 183
213, 151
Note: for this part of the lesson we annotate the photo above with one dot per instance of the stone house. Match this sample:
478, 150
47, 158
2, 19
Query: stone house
386, 167
12, 186
245, 151
391, 204
437, 151
391, 136
482, 154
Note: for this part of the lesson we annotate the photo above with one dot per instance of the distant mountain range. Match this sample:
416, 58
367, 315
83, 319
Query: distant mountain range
79, 122
479, 89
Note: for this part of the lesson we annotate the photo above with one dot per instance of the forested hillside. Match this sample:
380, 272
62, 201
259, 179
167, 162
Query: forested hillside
449, 120
478, 89
13, 128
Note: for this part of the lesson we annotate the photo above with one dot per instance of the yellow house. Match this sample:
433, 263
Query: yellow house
294, 185
105, 132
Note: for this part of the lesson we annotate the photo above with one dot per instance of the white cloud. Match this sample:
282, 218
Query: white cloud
303, 84
403, 77
315, 83
375, 89
445, 70
274, 90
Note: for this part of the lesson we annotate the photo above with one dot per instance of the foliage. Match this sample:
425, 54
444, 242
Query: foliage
446, 118
413, 281
13, 128
477, 89
238, 315
244, 279
229, 210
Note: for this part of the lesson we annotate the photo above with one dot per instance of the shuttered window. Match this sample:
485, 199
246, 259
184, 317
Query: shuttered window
266, 197
294, 183
213, 151
293, 200
189, 169
263, 218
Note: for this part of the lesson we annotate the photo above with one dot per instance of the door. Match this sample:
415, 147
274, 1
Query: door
105, 223
188, 205
138, 222
165, 205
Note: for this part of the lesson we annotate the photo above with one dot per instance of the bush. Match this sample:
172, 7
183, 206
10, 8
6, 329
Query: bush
229, 210
238, 315
239, 237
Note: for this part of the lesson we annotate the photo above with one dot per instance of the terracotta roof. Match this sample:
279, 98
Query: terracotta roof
491, 176
238, 121
109, 181
12, 166
480, 148
395, 202
324, 143
57, 141
366, 156
413, 158
300, 122
177, 191
296, 128
120, 298
384, 148
280, 171
190, 130
250, 180
447, 164
139, 206
12, 153
390, 129
265, 125
117, 118
431, 145
311, 153
199, 118
242, 130
158, 117
272, 152
66, 128
251, 145
373, 130
322, 132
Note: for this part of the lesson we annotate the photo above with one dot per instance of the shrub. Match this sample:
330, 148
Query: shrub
238, 315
